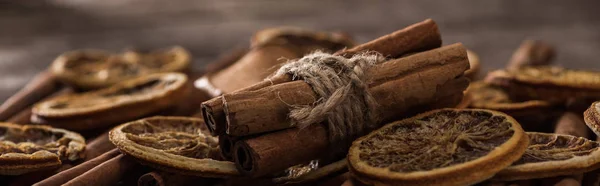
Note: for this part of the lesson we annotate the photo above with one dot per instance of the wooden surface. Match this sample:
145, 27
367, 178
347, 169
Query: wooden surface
32, 34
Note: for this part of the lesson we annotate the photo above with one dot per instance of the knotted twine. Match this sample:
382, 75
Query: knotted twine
344, 102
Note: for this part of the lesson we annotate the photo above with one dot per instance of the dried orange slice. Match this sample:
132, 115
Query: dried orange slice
485, 96
122, 102
592, 117
550, 155
92, 69
172, 144
440, 147
547, 83
29, 148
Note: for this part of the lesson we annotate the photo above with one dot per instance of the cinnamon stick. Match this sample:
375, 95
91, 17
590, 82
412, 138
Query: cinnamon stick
24, 116
98, 146
169, 179
65, 176
267, 109
39, 87
402, 87
107, 173
532, 53
417, 37
33, 177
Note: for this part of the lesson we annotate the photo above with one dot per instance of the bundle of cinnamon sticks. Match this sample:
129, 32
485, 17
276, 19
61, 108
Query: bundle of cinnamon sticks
255, 129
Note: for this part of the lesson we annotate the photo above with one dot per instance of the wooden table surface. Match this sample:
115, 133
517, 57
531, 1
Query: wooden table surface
32, 34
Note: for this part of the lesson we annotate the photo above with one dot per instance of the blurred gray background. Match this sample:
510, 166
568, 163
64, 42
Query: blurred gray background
33, 33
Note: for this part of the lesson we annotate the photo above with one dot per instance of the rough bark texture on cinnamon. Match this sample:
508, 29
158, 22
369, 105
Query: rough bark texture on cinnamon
42, 85
418, 37
402, 87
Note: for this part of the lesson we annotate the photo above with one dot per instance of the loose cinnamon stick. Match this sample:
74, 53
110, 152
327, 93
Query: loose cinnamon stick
33, 177
98, 146
169, 179
532, 53
406, 86
417, 37
65, 176
107, 173
39, 87
24, 116
572, 124
267, 109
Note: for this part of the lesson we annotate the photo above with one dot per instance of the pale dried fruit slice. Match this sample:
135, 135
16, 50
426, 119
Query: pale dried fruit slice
550, 155
29, 148
172, 144
440, 147
122, 102
474, 65
547, 83
591, 117
92, 69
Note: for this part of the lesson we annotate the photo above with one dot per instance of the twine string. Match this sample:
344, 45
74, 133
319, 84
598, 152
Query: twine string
345, 102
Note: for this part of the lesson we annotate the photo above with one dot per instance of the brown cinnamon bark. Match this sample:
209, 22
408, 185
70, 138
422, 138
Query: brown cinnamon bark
39, 87
267, 109
107, 173
65, 176
31, 178
417, 37
98, 146
532, 53
414, 38
156, 178
24, 116
226, 144
571, 123
402, 87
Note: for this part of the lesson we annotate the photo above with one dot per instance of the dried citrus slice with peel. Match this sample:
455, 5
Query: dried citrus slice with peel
122, 102
172, 144
482, 95
547, 83
29, 148
592, 117
439, 147
550, 155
